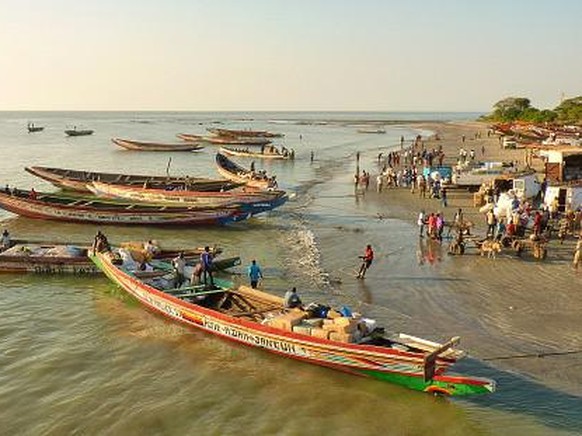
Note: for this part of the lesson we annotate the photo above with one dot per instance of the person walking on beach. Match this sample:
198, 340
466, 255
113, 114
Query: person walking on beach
255, 274
367, 260
421, 222
206, 262
444, 197
578, 253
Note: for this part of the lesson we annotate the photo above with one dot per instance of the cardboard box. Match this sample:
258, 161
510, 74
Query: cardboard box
302, 329
332, 314
341, 337
319, 333
288, 320
313, 322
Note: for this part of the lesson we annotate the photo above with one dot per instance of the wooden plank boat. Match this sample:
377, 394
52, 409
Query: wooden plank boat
75, 132
244, 133
253, 202
48, 257
59, 207
233, 171
77, 180
269, 152
224, 140
130, 144
258, 319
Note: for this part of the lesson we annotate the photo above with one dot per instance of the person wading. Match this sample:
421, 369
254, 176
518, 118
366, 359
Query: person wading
367, 260
255, 274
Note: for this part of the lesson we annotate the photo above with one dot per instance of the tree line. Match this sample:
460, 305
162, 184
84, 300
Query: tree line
520, 109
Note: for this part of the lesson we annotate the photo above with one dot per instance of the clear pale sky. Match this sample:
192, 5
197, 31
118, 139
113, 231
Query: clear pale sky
368, 55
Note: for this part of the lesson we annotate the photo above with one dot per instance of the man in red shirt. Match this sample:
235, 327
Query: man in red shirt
367, 260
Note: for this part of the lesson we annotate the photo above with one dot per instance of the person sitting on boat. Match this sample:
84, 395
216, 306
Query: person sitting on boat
145, 267
253, 166
196, 274
100, 243
206, 262
151, 249
179, 264
7, 189
291, 299
32, 194
5, 240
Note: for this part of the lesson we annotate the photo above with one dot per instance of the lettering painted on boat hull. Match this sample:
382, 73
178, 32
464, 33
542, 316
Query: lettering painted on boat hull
255, 339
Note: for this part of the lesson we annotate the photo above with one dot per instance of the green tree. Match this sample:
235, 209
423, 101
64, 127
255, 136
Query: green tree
570, 111
510, 108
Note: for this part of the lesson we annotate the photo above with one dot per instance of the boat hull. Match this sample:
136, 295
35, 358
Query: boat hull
238, 153
116, 214
151, 146
76, 180
386, 364
78, 132
253, 203
231, 171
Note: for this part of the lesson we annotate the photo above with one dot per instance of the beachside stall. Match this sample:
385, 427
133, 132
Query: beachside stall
562, 165
569, 197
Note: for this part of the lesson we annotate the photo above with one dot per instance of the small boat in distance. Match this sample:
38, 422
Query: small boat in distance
352, 344
235, 172
371, 130
77, 180
81, 132
244, 133
79, 209
130, 144
33, 129
224, 140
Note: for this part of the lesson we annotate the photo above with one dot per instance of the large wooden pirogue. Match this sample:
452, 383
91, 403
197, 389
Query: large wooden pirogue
251, 200
237, 173
258, 319
244, 133
59, 207
77, 180
130, 144
224, 140
53, 257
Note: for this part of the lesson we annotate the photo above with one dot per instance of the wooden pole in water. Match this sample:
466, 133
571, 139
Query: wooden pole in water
358, 164
168, 167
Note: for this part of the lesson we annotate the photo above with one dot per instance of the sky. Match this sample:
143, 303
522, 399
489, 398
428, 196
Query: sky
287, 55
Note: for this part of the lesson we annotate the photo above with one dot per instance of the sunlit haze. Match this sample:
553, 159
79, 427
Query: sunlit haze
369, 55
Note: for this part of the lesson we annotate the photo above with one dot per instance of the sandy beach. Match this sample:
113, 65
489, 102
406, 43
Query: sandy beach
501, 307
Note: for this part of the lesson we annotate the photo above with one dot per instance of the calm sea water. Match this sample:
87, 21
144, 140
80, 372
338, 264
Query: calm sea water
79, 357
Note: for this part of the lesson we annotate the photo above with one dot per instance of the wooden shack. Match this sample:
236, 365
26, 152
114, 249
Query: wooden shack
563, 165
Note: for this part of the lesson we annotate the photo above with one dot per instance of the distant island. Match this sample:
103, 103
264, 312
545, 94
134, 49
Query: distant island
510, 109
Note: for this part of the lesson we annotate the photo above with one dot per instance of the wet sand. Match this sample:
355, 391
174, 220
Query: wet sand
500, 307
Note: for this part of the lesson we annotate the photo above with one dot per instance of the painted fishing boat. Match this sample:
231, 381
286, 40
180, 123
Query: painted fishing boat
244, 133
251, 201
237, 173
258, 319
46, 257
224, 140
269, 152
130, 144
79, 209
77, 180
75, 132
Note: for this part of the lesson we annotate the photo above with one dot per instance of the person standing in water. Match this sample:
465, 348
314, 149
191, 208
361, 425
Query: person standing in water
367, 260
255, 274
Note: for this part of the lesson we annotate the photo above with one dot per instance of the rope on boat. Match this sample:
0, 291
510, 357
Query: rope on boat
538, 355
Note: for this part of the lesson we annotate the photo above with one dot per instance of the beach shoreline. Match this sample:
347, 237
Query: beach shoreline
503, 306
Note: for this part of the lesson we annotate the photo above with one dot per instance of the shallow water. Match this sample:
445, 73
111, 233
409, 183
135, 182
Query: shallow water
78, 356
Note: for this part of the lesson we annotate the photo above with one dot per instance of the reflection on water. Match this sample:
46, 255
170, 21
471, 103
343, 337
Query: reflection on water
79, 356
